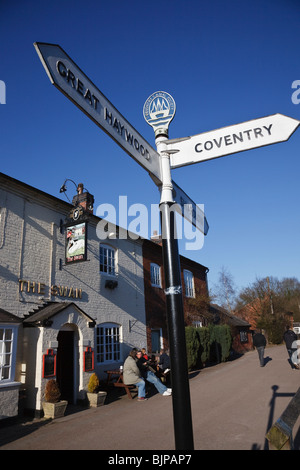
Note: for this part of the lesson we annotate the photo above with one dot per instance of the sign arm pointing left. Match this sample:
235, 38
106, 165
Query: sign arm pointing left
68, 78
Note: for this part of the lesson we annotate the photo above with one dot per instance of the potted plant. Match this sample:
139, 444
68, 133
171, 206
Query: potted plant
53, 407
95, 397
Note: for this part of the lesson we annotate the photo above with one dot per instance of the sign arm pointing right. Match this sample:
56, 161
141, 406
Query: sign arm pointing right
232, 139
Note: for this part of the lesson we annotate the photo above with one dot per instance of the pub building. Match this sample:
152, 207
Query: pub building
70, 303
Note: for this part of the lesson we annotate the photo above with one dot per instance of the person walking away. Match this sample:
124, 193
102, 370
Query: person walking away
259, 342
132, 375
150, 376
290, 339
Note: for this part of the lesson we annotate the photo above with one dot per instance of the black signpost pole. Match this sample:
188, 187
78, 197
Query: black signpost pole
179, 373
182, 415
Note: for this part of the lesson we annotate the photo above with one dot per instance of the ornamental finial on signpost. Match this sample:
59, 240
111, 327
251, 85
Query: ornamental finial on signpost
159, 110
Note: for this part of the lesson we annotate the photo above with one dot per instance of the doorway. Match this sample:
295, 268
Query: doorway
65, 364
155, 340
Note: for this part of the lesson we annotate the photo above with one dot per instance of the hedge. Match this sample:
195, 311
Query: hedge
204, 351
207, 344
193, 345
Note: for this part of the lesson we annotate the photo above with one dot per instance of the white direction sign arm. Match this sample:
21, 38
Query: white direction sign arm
189, 209
232, 139
76, 86
186, 207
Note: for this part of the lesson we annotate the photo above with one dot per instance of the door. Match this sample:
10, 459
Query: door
155, 341
65, 365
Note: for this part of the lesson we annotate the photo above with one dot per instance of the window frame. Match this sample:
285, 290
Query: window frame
189, 285
105, 260
108, 350
244, 336
12, 353
157, 269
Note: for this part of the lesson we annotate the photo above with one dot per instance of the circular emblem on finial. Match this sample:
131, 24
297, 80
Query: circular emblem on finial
159, 110
76, 213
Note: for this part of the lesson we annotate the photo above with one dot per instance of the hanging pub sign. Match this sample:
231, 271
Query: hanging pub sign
49, 364
76, 242
88, 360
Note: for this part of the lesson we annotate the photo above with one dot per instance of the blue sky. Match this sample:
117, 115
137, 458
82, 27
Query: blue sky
223, 63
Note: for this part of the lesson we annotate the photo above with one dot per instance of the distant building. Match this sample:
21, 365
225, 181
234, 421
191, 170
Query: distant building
240, 329
194, 283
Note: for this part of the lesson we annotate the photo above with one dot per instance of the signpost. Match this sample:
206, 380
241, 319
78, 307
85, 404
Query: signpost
232, 139
159, 110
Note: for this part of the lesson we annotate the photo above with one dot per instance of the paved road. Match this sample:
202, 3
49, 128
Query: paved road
233, 405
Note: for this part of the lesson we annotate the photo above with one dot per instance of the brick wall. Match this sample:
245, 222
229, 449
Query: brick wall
155, 302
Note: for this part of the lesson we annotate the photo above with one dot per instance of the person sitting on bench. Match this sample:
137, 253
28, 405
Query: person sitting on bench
150, 376
132, 375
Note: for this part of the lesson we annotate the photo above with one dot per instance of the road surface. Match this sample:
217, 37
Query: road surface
233, 406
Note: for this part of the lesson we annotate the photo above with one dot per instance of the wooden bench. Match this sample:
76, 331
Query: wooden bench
118, 374
127, 388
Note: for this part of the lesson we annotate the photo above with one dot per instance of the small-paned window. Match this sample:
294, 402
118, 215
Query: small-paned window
108, 343
6, 350
244, 336
189, 283
155, 275
107, 260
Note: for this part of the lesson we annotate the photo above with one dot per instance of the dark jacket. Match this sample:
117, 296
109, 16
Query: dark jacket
259, 340
143, 367
164, 361
289, 337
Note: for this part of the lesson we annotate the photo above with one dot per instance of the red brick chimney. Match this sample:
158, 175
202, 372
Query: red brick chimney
156, 238
83, 199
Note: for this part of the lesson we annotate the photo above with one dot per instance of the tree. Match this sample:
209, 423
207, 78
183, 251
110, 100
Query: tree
225, 290
198, 309
269, 301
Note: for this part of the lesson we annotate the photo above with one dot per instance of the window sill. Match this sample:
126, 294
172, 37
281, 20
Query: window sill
112, 276
10, 384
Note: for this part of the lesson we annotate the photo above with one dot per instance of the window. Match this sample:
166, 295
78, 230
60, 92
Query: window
107, 260
155, 275
189, 283
108, 343
243, 336
6, 350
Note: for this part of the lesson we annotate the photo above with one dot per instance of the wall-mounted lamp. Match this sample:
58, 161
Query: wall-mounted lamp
79, 188
63, 188
111, 284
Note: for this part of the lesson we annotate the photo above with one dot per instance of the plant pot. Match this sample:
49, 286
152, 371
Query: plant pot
54, 410
96, 399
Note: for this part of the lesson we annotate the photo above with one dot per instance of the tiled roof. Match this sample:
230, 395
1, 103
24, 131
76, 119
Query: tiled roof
43, 313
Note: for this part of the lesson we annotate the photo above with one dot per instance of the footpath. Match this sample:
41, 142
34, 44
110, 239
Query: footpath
233, 406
